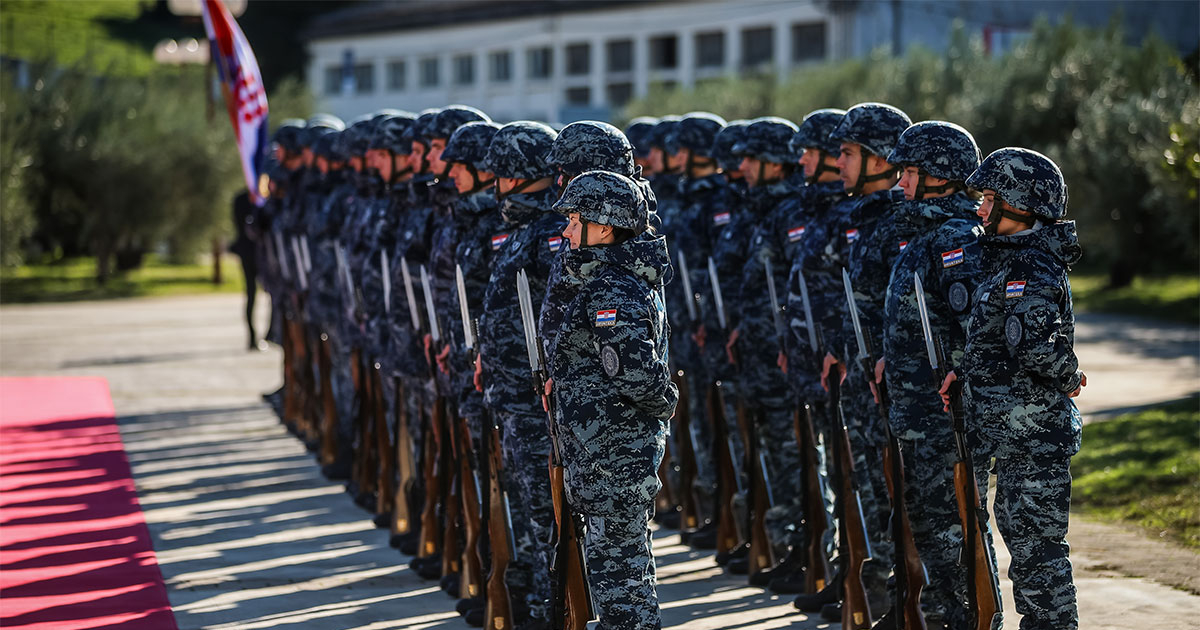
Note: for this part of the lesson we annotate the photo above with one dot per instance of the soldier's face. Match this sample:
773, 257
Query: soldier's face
436, 146
416, 159
463, 181
910, 177
679, 161
655, 161
643, 162
1004, 225
596, 234
322, 165
849, 162
749, 170
307, 156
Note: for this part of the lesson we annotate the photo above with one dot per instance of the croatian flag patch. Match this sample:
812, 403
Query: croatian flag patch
721, 218
903, 244
851, 235
795, 234
555, 242
1013, 289
952, 257
498, 240
607, 317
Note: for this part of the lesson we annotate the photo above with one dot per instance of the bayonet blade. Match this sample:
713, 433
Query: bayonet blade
430, 311
808, 316
385, 269
687, 287
304, 254
299, 258
527, 322
464, 310
926, 330
281, 256
410, 295
716, 288
775, 311
852, 305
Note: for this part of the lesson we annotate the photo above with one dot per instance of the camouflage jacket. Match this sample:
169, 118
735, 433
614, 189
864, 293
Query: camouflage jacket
612, 384
481, 233
947, 257
1019, 364
533, 237
414, 234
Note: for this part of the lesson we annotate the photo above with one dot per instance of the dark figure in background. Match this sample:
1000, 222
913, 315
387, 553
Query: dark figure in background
245, 246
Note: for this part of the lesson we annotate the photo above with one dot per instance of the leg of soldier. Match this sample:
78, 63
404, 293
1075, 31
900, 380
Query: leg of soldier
526, 447
621, 571
706, 471
866, 435
1033, 500
783, 464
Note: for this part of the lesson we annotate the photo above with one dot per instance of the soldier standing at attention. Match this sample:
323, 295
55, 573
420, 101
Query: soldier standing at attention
1020, 372
614, 389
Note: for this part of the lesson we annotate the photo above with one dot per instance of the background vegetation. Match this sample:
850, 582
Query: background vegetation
1122, 121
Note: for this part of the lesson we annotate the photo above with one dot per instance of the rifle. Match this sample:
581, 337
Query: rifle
443, 437
906, 562
983, 592
572, 599
689, 503
470, 584
754, 532
430, 542
498, 609
729, 480
856, 612
817, 571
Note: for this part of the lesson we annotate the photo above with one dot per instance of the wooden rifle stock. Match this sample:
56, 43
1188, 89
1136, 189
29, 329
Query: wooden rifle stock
689, 504
370, 449
385, 452
471, 580
431, 534
358, 470
329, 423
856, 612
727, 477
498, 609
762, 555
403, 506
572, 599
817, 571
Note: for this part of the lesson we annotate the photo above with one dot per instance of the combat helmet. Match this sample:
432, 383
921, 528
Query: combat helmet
767, 139
589, 145
657, 137
875, 127
451, 118
1027, 180
521, 150
814, 135
287, 135
469, 146
940, 149
722, 149
605, 198
636, 131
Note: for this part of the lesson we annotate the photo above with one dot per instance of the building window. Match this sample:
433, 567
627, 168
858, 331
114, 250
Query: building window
579, 96
464, 70
663, 86
500, 67
758, 46
619, 94
710, 50
540, 62
429, 72
333, 79
808, 42
620, 55
664, 52
397, 75
579, 59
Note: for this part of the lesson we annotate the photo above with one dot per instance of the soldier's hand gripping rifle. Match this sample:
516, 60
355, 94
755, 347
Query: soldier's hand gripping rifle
731, 531
983, 593
471, 579
856, 613
816, 519
572, 597
906, 562
450, 501
689, 502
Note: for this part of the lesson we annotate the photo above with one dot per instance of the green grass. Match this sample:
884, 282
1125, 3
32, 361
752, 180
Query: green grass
1174, 297
75, 279
1144, 468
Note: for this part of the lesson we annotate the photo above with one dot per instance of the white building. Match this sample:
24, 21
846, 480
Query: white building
555, 61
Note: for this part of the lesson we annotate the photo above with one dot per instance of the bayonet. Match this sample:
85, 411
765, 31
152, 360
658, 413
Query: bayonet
926, 330
386, 270
464, 310
529, 325
775, 309
299, 264
858, 333
281, 255
687, 287
716, 288
429, 309
808, 316
410, 294
304, 252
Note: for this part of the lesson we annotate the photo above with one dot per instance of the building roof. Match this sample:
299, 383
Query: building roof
401, 15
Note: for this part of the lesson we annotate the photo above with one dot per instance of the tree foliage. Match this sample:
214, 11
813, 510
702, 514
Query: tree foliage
1122, 121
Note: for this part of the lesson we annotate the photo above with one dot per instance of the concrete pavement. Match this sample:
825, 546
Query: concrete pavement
249, 535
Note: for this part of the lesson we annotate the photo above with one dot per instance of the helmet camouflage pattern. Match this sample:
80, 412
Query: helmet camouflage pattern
637, 130
1026, 179
469, 144
589, 145
938, 148
724, 142
696, 132
767, 139
874, 126
521, 150
814, 132
658, 134
419, 130
287, 135
451, 118
605, 198
388, 133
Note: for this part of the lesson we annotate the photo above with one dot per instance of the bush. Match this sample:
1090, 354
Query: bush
1122, 121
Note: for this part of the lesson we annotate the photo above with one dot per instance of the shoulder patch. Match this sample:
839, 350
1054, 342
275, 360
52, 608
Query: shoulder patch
958, 297
952, 257
795, 234
721, 218
606, 317
1012, 330
498, 240
610, 361
1014, 289
554, 242
851, 235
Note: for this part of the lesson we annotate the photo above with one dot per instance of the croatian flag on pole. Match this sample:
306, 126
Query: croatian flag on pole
242, 86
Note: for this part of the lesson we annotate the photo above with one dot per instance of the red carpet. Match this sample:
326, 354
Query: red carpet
74, 548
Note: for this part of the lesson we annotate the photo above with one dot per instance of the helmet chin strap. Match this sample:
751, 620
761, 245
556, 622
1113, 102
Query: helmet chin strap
998, 212
822, 167
923, 189
863, 178
519, 188
397, 172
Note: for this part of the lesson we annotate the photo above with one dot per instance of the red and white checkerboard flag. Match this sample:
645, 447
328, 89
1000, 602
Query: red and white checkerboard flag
242, 86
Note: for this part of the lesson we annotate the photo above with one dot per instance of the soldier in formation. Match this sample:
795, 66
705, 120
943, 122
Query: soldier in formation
520, 347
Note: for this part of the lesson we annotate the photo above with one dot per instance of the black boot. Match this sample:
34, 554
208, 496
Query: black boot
474, 617
469, 603
399, 541
429, 567
705, 537
790, 564
339, 470
382, 521
813, 602
832, 612
450, 584
737, 552
793, 584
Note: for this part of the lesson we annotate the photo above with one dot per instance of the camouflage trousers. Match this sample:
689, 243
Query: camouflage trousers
342, 383
1033, 501
526, 444
700, 427
621, 570
937, 529
777, 441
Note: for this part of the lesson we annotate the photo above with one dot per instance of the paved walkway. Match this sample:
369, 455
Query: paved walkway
249, 535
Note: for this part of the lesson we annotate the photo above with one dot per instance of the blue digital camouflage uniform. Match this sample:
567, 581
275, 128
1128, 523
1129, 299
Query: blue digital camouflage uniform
615, 394
1019, 369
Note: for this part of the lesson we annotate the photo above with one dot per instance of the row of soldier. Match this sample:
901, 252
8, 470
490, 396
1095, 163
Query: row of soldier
829, 287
